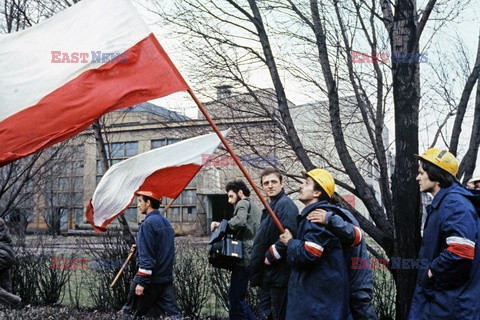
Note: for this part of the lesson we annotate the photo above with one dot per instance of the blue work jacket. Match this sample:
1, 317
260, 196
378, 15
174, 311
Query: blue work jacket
319, 281
450, 245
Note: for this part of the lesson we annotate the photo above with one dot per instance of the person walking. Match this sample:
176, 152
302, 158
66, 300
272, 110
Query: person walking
244, 225
450, 287
152, 291
319, 282
268, 269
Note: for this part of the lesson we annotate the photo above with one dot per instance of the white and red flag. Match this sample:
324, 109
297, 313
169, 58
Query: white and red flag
58, 77
164, 171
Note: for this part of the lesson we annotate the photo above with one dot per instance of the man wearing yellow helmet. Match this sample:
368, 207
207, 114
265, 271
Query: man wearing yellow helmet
319, 282
449, 288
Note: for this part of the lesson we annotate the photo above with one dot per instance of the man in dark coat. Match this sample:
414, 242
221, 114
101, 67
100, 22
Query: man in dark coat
152, 291
346, 228
268, 269
449, 286
319, 282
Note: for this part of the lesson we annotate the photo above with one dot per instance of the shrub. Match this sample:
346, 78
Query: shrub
107, 258
35, 279
191, 279
384, 294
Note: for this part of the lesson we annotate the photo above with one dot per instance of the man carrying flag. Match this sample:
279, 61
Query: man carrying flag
152, 291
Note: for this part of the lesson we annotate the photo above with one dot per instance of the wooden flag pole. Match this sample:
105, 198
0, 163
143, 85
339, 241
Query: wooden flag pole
130, 255
134, 246
235, 158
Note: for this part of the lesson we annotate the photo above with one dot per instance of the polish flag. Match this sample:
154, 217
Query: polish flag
58, 77
164, 171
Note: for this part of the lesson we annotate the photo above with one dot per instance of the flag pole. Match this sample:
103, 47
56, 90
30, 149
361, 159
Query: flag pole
236, 159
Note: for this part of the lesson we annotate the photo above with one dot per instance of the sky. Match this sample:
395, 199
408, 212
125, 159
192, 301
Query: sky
467, 29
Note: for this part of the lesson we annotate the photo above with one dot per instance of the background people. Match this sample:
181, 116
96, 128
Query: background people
244, 224
268, 269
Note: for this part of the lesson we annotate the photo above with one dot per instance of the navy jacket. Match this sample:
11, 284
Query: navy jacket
155, 250
343, 225
267, 244
319, 281
450, 244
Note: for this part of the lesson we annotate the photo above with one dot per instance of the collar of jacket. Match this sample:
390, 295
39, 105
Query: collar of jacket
278, 196
454, 188
312, 207
156, 211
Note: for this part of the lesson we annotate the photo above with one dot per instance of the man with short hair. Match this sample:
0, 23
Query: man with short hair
450, 287
244, 225
152, 291
268, 269
319, 281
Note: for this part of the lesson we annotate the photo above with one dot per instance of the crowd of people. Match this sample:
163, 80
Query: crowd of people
306, 271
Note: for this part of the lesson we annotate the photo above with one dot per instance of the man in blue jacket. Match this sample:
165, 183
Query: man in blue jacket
268, 269
319, 283
346, 228
449, 288
152, 291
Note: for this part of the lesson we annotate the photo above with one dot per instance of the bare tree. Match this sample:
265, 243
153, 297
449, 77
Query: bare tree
317, 43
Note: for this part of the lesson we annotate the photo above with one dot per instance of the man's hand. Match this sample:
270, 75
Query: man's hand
285, 237
139, 290
214, 224
430, 274
318, 216
266, 262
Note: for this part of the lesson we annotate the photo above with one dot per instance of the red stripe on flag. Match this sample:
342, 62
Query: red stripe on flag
168, 182
70, 109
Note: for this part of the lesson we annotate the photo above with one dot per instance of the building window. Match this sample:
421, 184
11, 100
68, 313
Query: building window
184, 208
64, 191
163, 142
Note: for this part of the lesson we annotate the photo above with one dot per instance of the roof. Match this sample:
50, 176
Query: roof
160, 111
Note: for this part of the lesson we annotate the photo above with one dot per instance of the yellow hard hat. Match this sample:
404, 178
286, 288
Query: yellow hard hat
323, 178
442, 159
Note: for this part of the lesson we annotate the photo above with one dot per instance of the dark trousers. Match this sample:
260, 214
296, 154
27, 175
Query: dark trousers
158, 300
273, 303
238, 308
361, 305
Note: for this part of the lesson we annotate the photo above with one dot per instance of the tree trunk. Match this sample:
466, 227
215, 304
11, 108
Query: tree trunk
467, 166
406, 94
462, 105
127, 233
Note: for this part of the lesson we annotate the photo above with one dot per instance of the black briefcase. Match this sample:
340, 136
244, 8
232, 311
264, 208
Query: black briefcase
225, 253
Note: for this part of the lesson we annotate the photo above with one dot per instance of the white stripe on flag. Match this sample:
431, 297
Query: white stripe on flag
28, 73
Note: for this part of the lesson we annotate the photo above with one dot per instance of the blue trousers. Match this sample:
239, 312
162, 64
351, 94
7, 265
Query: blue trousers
273, 303
238, 308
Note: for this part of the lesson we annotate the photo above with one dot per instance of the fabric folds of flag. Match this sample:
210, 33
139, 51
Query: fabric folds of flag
58, 77
165, 171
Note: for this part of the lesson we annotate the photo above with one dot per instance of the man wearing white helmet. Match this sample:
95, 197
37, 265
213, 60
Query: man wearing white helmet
449, 288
